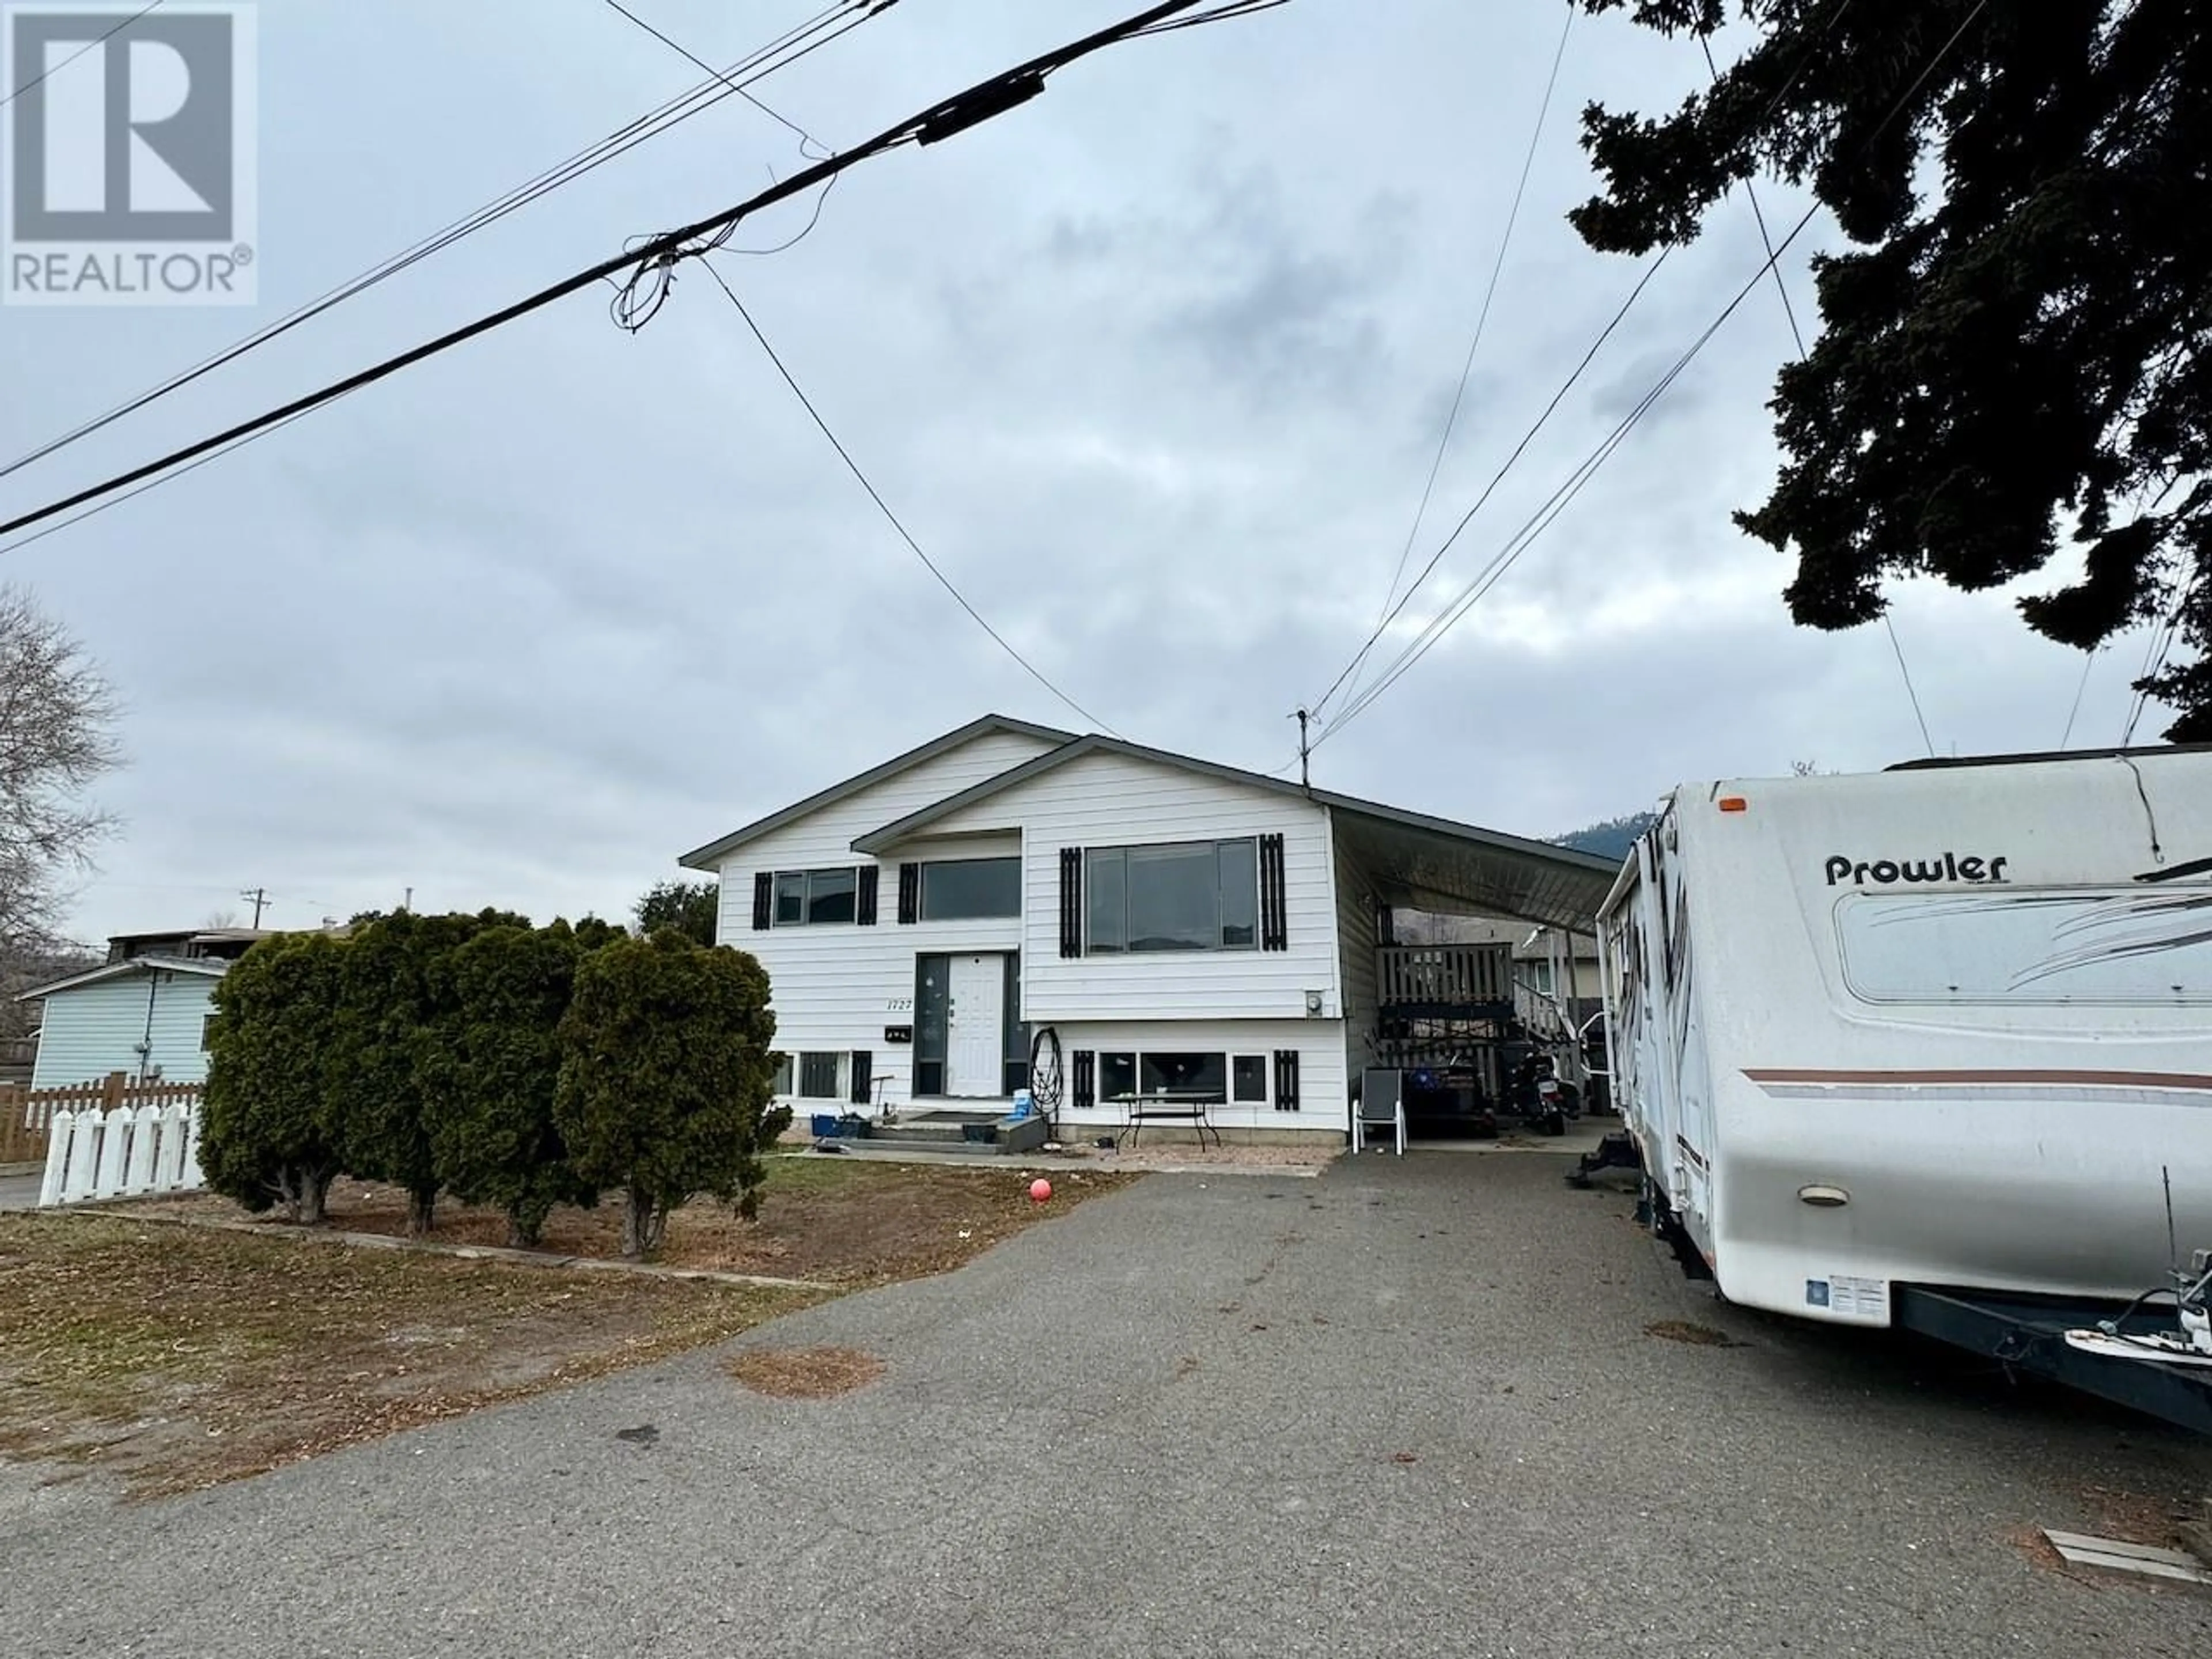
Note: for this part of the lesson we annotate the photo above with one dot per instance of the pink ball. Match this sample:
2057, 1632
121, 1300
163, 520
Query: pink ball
1040, 1190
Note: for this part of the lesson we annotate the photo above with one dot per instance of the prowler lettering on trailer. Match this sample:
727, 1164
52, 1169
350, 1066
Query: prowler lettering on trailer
1886, 873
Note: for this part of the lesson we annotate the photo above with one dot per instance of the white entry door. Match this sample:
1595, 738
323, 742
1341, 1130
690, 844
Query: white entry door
975, 1026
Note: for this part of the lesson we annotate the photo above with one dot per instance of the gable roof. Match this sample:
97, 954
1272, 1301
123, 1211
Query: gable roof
1427, 862
706, 857
205, 967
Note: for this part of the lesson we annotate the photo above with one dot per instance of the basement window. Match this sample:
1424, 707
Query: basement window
818, 1077
1249, 1080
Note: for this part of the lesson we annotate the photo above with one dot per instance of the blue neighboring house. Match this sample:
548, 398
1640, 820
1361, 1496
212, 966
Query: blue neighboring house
143, 1012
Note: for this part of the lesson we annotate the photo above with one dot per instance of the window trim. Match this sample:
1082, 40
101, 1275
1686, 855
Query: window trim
850, 872
1092, 855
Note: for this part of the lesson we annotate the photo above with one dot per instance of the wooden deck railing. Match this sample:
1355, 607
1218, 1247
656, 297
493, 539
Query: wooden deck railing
1444, 976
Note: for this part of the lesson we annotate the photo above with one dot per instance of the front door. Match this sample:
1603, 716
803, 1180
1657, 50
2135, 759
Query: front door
976, 1028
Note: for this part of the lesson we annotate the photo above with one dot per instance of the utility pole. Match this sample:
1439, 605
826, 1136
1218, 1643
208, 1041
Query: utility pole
258, 896
1305, 778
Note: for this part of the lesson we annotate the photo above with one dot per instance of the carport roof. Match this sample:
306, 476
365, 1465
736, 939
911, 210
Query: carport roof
1412, 859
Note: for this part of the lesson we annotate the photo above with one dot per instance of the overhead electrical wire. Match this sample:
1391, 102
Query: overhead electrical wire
831, 24
1218, 14
1651, 269
1543, 419
2155, 664
884, 506
1474, 345
45, 76
805, 137
981, 102
1562, 496
2089, 662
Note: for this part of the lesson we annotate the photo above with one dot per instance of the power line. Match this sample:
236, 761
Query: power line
1499, 477
1797, 334
1220, 14
1481, 324
981, 102
804, 136
2156, 664
785, 50
2089, 662
884, 506
90, 46
1804, 62
1898, 645
1579, 478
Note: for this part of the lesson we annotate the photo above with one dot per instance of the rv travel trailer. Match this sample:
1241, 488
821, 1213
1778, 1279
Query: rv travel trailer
1949, 1025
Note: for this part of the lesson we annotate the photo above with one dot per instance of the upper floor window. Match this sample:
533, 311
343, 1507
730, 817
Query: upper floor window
1191, 895
810, 897
960, 889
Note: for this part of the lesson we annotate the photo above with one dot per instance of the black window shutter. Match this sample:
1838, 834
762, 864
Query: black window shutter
864, 1068
909, 894
1286, 1079
1275, 918
764, 901
1086, 1078
864, 897
1071, 901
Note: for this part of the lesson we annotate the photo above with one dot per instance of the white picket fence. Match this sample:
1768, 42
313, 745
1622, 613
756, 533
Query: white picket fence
130, 1151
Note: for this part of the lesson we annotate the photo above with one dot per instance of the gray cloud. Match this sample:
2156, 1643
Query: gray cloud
1153, 368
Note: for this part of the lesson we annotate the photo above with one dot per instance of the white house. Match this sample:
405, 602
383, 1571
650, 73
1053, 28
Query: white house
1135, 921
143, 1012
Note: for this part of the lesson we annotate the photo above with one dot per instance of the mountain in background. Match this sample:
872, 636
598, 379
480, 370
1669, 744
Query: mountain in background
1611, 839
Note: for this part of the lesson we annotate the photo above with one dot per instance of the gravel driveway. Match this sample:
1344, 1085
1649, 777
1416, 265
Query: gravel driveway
1409, 1408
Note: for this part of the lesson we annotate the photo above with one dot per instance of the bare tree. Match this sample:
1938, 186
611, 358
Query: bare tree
57, 718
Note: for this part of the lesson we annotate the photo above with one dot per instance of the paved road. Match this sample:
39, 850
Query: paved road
1173, 1423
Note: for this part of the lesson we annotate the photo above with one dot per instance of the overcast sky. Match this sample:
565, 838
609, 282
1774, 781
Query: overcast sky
1154, 367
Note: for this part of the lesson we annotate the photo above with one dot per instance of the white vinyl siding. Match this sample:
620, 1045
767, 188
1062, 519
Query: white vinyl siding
1323, 1101
836, 988
1105, 799
88, 1032
1358, 939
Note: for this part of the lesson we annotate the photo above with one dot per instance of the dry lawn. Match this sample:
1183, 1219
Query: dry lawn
176, 1358
179, 1357
828, 1220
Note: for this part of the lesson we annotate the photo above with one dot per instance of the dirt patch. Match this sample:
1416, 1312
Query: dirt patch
2040, 1552
175, 1359
828, 1220
2134, 1518
805, 1373
1684, 1330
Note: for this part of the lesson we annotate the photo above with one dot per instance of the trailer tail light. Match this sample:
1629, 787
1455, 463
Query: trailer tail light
1733, 804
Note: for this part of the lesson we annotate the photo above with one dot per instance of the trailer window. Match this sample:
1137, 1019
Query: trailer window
2029, 946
